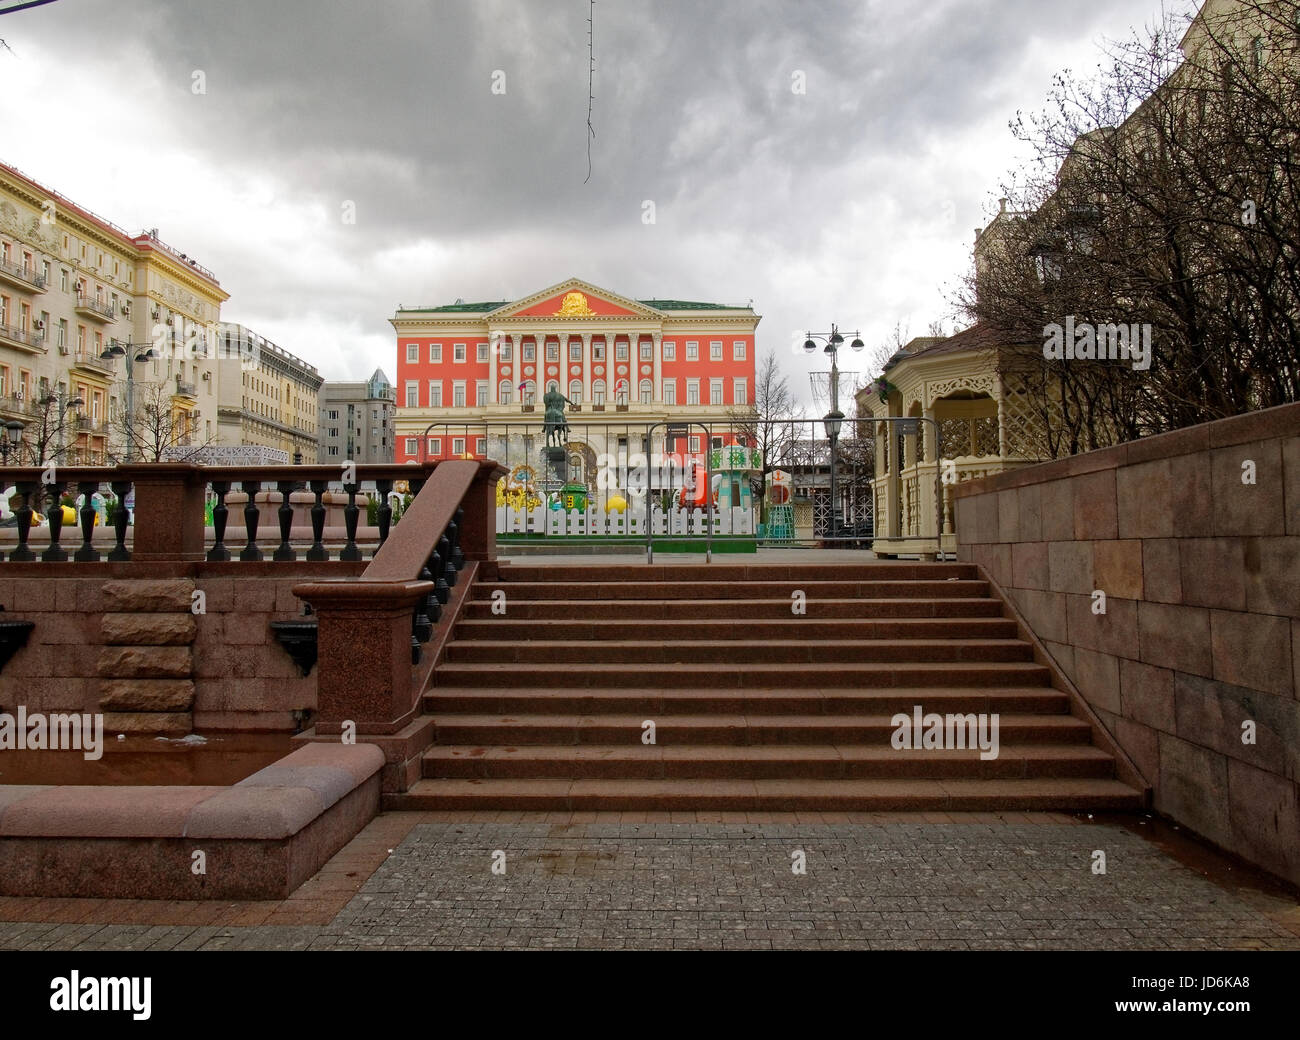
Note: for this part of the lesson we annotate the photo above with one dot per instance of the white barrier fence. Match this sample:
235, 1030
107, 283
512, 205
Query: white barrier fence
596, 522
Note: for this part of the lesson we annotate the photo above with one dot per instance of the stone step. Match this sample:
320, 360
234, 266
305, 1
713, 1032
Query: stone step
692, 573
762, 762
755, 654
444, 700
724, 610
670, 730
602, 590
871, 795
709, 676
699, 629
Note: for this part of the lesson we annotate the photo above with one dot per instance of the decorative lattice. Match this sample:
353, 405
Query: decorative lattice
956, 437
1026, 414
985, 436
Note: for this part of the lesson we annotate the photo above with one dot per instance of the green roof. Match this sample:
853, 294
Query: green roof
476, 308
689, 305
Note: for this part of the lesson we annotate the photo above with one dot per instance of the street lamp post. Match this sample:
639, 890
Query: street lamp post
128, 350
65, 402
833, 419
13, 436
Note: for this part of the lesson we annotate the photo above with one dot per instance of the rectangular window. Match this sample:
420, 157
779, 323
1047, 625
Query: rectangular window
507, 351
458, 445
412, 353
715, 391
647, 350
435, 353
738, 349
458, 353
482, 353
480, 446
694, 442
692, 391
412, 446
530, 351
435, 393
435, 446
620, 351
575, 350
692, 350
670, 391
598, 351
458, 398
412, 394
553, 352
481, 393
740, 391
715, 350
670, 350
63, 281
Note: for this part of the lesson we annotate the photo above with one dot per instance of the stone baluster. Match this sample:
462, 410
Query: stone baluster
121, 519
87, 554
250, 552
318, 552
55, 553
285, 552
432, 608
454, 529
350, 513
22, 554
220, 514
384, 514
442, 586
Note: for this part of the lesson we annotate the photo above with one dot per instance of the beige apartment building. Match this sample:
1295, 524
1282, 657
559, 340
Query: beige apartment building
91, 315
268, 396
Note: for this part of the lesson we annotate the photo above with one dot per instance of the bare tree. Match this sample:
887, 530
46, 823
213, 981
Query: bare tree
765, 425
156, 430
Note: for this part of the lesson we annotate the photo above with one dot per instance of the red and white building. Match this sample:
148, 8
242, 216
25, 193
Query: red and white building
470, 376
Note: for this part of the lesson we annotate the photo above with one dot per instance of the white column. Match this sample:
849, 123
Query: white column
517, 364
471, 390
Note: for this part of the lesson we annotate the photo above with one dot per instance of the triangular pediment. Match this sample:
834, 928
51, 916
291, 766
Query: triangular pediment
574, 299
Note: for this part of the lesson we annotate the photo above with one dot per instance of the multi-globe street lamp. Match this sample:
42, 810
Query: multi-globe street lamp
834, 419
116, 350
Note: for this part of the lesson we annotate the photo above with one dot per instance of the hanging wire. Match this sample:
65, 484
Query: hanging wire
591, 78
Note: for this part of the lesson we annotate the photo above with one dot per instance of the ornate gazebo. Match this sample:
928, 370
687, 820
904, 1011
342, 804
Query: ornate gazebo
954, 385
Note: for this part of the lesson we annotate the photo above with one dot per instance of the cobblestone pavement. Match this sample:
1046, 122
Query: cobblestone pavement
626, 885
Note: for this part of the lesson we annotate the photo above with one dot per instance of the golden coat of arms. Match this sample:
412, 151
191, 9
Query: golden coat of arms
575, 306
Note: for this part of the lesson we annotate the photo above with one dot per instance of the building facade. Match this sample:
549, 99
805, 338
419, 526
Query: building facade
641, 377
75, 291
268, 396
358, 421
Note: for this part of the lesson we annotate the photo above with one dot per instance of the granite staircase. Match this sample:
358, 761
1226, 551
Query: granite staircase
553, 672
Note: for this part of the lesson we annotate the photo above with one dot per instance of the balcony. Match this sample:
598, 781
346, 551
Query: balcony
15, 407
92, 363
184, 389
92, 427
94, 309
21, 276
32, 341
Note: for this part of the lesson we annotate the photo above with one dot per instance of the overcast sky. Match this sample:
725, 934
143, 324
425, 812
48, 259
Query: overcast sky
853, 202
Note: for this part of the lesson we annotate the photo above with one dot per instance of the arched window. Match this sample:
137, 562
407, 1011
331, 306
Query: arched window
575, 391
647, 391
620, 392
598, 392
552, 385
529, 392
504, 392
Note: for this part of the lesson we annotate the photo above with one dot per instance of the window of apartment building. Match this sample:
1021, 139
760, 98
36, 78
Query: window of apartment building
435, 393
738, 349
412, 394
694, 442
4, 310
482, 353
670, 391
412, 353
715, 350
598, 392
458, 353
4, 251
647, 350
692, 350
435, 446
4, 381
621, 351
647, 391
575, 391
480, 446
435, 353
45, 271
481, 393
458, 395
598, 351
63, 280
692, 391
715, 391
530, 351
670, 350
740, 391
81, 339
458, 445
99, 343
504, 395
575, 350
